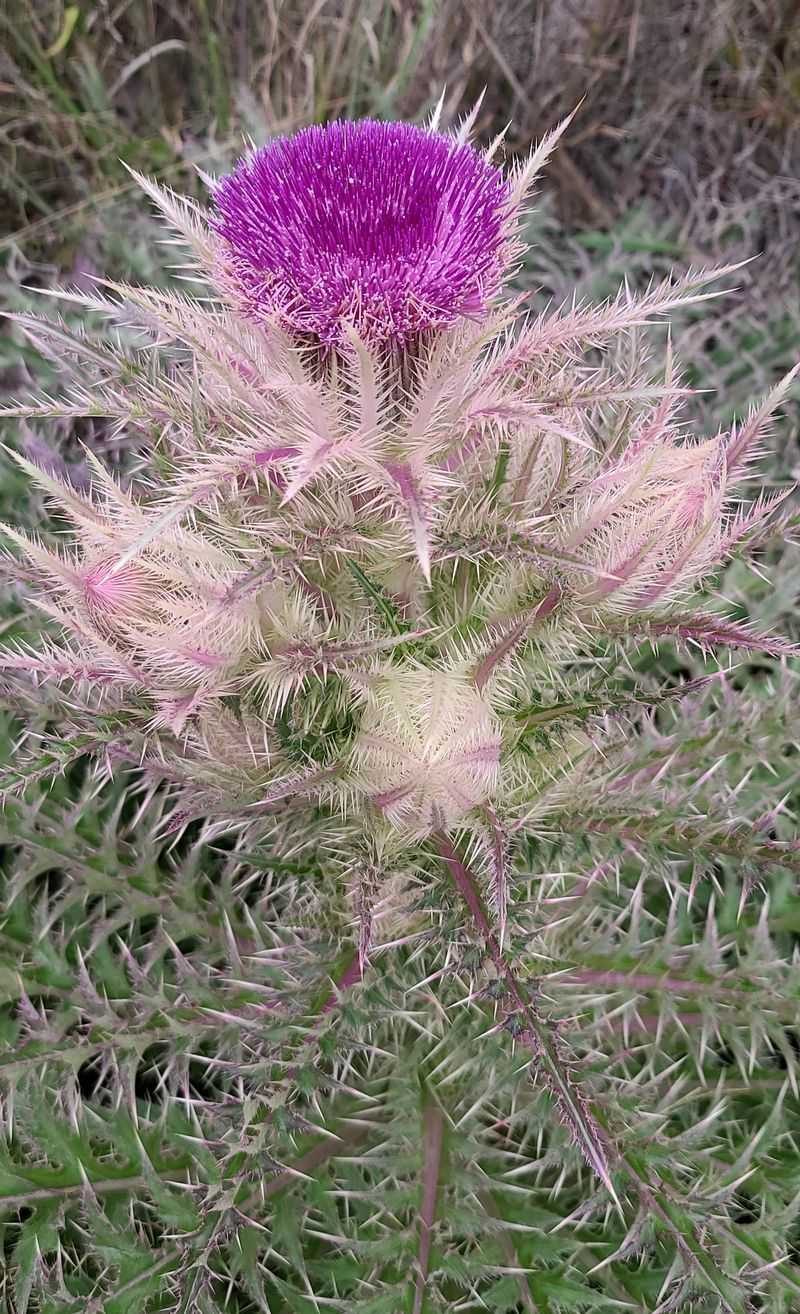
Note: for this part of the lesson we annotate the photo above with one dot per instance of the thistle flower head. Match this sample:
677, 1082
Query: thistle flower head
386, 227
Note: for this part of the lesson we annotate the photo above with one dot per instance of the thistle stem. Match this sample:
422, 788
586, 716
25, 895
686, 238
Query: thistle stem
352, 973
433, 1131
590, 1135
654, 1192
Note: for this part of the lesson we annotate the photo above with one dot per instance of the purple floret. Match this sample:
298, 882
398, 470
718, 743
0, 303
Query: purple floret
383, 226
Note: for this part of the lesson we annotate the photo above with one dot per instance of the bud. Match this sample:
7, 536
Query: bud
428, 750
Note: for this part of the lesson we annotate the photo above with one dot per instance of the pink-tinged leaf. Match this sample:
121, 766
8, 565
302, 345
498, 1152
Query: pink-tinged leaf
314, 460
390, 797
414, 504
207, 661
250, 582
432, 1148
606, 392
153, 531
622, 573
185, 217
584, 327
755, 518
290, 665
667, 578
76, 404
319, 658
367, 389
605, 506
331, 445
301, 785
103, 650
513, 636
708, 631
57, 341
742, 441
57, 666
117, 593
534, 414
474, 439
175, 712
59, 570
439, 397
518, 547
524, 175
81, 509
481, 755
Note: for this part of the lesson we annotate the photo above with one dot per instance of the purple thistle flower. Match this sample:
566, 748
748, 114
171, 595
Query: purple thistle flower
383, 226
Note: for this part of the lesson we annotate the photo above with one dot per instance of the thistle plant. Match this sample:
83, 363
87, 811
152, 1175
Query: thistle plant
385, 808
